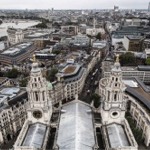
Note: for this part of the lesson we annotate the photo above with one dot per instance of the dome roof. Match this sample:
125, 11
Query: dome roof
50, 86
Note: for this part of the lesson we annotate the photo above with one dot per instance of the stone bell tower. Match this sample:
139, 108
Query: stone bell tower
114, 102
40, 104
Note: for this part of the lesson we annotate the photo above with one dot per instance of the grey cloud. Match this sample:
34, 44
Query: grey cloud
72, 4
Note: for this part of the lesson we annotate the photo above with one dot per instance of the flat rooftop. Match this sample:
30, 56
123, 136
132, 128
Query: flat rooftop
35, 135
10, 90
130, 83
17, 49
140, 95
143, 93
108, 65
133, 37
69, 69
37, 34
117, 136
10, 96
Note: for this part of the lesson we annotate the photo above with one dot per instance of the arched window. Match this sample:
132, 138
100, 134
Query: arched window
36, 96
108, 95
43, 94
115, 96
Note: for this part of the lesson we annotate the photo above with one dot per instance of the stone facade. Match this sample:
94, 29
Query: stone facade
13, 115
39, 111
142, 119
114, 100
15, 36
113, 110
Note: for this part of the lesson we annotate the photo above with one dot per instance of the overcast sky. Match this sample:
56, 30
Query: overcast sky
73, 4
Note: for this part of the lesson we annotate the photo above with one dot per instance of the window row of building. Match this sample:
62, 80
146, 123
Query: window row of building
12, 118
142, 119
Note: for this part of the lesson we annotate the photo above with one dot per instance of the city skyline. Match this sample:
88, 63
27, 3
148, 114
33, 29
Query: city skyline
72, 4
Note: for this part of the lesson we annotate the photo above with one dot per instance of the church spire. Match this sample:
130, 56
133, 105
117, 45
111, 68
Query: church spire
116, 68
117, 58
34, 58
94, 23
38, 93
114, 104
115, 85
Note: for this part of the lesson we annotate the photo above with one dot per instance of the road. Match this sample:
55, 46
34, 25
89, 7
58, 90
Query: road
89, 86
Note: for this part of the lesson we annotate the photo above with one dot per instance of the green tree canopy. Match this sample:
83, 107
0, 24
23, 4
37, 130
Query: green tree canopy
56, 52
128, 59
147, 61
12, 73
41, 25
96, 98
51, 74
136, 131
23, 82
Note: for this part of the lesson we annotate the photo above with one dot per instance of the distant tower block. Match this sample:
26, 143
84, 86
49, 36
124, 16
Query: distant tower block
52, 10
149, 7
116, 8
94, 23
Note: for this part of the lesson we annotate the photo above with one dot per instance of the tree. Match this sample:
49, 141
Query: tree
136, 131
56, 25
99, 36
128, 59
23, 82
51, 74
96, 98
147, 61
56, 52
12, 73
41, 25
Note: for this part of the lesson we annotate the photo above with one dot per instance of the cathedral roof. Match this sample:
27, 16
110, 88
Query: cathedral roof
76, 129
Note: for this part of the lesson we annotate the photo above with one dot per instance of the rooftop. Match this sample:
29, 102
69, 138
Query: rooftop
140, 95
10, 91
35, 135
108, 65
38, 34
133, 37
17, 49
2, 79
117, 136
143, 93
69, 69
76, 117
130, 83
10, 96
76, 76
